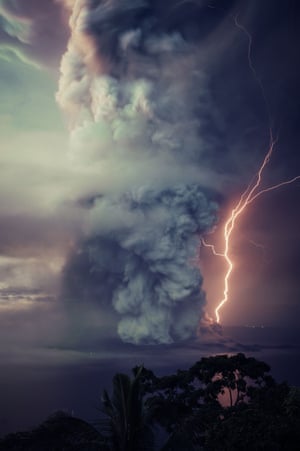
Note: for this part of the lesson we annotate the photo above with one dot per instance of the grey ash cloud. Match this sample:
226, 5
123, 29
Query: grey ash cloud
139, 257
128, 83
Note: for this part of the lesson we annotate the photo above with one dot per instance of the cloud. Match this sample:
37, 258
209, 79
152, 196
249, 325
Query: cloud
32, 30
127, 85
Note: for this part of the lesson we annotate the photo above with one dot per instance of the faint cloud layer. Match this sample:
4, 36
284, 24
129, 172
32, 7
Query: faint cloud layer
27, 30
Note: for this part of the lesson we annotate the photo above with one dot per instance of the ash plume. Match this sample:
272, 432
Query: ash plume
131, 87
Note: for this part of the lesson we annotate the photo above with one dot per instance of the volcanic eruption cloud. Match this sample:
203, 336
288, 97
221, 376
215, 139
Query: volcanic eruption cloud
129, 85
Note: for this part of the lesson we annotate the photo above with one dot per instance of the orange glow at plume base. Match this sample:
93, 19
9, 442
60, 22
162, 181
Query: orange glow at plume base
251, 193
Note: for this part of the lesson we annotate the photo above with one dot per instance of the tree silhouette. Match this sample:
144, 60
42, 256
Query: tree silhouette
223, 403
126, 426
220, 403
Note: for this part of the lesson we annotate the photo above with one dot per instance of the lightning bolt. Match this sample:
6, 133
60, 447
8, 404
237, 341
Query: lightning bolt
251, 193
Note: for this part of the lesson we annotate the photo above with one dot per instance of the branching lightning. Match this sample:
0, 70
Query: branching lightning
251, 193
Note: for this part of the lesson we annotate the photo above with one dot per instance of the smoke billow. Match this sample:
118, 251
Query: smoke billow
130, 83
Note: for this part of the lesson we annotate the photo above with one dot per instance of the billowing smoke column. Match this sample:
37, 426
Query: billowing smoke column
128, 83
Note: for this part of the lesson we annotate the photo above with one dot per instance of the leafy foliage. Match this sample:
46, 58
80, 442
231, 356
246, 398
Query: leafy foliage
126, 427
224, 402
